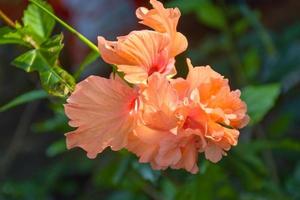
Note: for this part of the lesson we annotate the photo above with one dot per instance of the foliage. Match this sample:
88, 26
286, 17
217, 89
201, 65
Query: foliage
266, 95
43, 56
264, 64
24, 98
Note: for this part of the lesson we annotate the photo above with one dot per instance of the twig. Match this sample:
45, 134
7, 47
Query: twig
6, 19
18, 137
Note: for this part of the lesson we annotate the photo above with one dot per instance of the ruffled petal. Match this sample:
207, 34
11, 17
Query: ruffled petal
200, 75
189, 158
220, 140
139, 54
179, 151
165, 21
179, 44
213, 152
222, 104
145, 150
103, 112
159, 18
159, 103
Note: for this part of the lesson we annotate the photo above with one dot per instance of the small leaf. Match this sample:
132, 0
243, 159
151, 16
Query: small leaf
24, 98
10, 36
185, 6
38, 21
211, 15
56, 148
51, 48
54, 79
206, 11
57, 81
251, 62
123, 167
240, 26
260, 99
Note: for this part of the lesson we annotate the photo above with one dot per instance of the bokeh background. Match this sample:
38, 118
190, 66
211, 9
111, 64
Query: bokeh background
254, 43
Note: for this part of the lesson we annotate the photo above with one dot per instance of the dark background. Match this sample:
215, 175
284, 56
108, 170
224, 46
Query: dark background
253, 43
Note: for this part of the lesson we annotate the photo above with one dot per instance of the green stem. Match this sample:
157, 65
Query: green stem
67, 26
6, 19
79, 35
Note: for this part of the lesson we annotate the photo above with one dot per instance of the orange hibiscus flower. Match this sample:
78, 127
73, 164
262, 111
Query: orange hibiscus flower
181, 118
165, 122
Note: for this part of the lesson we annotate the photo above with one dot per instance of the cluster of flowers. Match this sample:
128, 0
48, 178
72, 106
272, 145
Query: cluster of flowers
164, 121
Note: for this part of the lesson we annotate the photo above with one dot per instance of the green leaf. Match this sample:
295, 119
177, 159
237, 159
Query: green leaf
240, 26
205, 184
211, 15
52, 47
168, 189
54, 79
260, 99
38, 21
282, 145
207, 13
185, 6
122, 169
58, 123
24, 98
56, 148
11, 36
251, 62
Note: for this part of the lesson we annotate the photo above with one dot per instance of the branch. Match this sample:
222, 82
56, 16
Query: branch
6, 19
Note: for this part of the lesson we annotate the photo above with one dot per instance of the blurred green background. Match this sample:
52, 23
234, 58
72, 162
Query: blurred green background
254, 43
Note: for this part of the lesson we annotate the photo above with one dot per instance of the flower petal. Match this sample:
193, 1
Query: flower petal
159, 18
179, 44
102, 111
145, 150
159, 103
200, 75
165, 21
223, 105
139, 54
213, 153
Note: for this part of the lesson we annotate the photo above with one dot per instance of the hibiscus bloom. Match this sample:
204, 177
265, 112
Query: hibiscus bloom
181, 118
165, 122
141, 53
